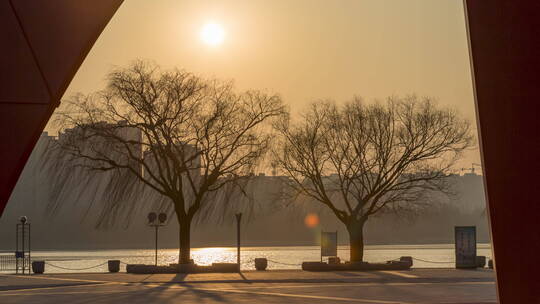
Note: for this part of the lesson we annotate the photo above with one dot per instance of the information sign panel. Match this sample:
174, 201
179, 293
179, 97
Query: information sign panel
465, 239
329, 244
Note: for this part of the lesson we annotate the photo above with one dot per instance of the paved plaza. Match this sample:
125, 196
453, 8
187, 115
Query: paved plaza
389, 287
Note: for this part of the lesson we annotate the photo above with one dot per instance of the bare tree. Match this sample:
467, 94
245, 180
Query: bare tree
181, 136
361, 159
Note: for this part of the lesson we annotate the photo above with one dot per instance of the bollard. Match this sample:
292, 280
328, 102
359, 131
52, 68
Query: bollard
406, 259
114, 265
261, 263
480, 261
38, 267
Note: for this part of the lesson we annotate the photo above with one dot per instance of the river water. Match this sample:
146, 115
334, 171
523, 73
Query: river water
287, 257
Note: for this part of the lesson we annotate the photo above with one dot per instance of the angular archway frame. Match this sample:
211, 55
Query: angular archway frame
43, 43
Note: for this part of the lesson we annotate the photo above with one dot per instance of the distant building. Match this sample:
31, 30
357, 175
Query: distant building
277, 222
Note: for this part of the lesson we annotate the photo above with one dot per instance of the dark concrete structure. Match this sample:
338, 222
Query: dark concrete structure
505, 54
44, 42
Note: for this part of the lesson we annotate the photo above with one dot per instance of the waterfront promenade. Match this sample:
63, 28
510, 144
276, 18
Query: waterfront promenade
288, 286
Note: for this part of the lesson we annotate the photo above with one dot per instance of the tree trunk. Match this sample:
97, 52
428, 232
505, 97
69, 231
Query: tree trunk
185, 246
356, 240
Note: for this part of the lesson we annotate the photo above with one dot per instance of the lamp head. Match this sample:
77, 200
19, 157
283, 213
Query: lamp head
151, 217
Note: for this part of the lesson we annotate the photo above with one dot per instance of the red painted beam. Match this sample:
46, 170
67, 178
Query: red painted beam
43, 42
504, 38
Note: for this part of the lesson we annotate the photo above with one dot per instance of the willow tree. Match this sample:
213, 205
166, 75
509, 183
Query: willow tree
360, 160
182, 137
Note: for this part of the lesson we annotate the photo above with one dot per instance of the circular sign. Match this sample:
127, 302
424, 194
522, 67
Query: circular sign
162, 217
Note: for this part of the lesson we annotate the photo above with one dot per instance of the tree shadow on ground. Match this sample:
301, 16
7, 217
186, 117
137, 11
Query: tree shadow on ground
244, 277
349, 274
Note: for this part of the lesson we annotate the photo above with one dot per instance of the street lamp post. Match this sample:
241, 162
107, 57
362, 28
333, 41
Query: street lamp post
238, 219
21, 250
161, 219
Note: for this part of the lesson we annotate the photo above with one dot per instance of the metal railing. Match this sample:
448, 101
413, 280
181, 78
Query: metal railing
9, 262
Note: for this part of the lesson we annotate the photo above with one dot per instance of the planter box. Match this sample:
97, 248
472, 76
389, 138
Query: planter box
406, 259
114, 265
261, 264
38, 267
225, 267
481, 261
404, 264
334, 260
183, 268
150, 269
315, 266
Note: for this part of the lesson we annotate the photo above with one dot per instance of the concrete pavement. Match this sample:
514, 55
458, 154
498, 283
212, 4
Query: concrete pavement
390, 287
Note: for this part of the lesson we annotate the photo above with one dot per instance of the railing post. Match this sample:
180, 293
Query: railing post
156, 241
23, 255
16, 248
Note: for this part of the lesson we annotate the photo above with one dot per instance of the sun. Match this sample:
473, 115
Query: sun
212, 34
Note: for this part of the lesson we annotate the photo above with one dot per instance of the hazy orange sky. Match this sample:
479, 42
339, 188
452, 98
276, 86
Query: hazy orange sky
303, 49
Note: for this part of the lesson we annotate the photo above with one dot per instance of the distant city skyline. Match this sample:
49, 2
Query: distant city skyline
279, 226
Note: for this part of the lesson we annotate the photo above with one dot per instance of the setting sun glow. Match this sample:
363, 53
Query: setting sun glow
212, 34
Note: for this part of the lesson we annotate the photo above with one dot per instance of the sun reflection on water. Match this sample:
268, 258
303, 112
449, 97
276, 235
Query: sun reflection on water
209, 255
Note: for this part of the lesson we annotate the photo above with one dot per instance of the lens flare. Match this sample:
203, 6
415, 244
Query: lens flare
311, 220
